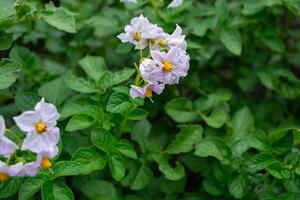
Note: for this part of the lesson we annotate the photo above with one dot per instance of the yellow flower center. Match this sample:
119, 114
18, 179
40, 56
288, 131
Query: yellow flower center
137, 37
163, 43
167, 66
40, 127
46, 163
148, 92
3, 176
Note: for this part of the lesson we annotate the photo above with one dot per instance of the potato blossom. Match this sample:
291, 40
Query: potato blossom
39, 125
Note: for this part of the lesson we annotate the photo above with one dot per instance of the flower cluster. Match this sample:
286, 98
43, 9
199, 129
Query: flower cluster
173, 4
168, 59
39, 145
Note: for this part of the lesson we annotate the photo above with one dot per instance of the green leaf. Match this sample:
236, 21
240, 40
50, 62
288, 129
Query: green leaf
137, 114
181, 110
116, 165
81, 106
231, 39
126, 149
171, 173
6, 8
242, 124
56, 191
293, 6
118, 103
104, 190
9, 72
188, 136
60, 18
26, 100
216, 119
79, 84
10, 187
6, 40
32, 185
251, 7
79, 121
140, 133
142, 179
66, 168
111, 79
102, 139
90, 159
93, 66
213, 147
55, 91
237, 187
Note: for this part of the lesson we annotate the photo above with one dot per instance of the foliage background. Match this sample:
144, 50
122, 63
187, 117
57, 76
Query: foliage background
230, 130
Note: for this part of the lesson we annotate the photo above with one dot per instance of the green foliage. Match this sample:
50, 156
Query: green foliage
229, 130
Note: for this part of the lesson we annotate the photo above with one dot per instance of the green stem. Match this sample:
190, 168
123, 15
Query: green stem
15, 136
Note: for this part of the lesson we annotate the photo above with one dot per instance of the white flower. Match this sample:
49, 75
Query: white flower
150, 72
7, 147
39, 124
176, 39
175, 3
7, 171
140, 32
129, 1
173, 64
146, 91
42, 161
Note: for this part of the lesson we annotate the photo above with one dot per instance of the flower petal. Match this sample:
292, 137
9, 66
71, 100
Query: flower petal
48, 113
27, 120
38, 143
7, 147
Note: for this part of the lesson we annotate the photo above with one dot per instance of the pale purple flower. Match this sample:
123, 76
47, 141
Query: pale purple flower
7, 147
173, 64
39, 124
176, 39
140, 32
146, 91
7, 171
43, 158
150, 71
175, 3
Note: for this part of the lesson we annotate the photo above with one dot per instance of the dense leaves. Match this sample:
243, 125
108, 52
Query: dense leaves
229, 130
